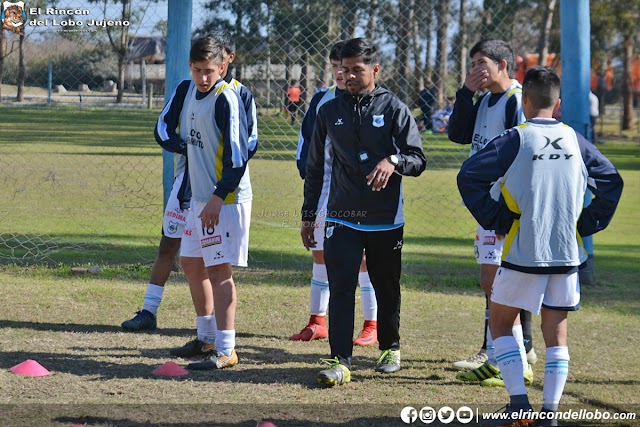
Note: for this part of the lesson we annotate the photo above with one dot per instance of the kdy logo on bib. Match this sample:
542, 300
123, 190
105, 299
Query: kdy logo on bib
378, 121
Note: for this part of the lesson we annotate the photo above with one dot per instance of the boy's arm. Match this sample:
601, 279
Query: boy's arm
463, 117
513, 114
314, 171
231, 119
166, 131
606, 185
477, 175
306, 131
252, 119
411, 158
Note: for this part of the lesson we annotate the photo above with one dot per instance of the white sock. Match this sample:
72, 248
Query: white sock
153, 298
510, 364
491, 351
517, 334
556, 370
206, 327
319, 290
225, 341
368, 296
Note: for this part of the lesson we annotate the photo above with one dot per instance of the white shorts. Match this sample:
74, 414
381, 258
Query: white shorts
228, 242
487, 248
318, 232
533, 291
174, 218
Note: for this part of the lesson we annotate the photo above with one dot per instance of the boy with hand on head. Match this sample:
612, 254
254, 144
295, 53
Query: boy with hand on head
545, 221
498, 109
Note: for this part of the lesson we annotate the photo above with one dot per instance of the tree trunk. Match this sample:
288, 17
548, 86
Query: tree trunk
417, 70
349, 20
332, 33
371, 23
21, 70
428, 52
463, 41
543, 42
403, 50
627, 85
442, 46
1, 60
307, 83
123, 49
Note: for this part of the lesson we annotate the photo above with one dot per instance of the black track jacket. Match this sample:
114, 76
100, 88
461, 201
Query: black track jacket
362, 130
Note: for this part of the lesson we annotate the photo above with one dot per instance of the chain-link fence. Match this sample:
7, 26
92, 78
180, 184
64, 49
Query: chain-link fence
81, 89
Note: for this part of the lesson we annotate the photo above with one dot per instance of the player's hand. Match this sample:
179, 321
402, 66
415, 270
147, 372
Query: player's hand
306, 232
210, 215
380, 175
476, 77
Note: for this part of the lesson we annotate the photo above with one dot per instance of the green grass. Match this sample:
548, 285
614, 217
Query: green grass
81, 187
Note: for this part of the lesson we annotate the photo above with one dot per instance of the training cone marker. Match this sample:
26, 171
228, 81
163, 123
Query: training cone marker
30, 368
170, 369
266, 423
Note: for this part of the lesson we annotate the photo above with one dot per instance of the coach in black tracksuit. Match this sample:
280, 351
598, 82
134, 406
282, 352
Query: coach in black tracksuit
374, 140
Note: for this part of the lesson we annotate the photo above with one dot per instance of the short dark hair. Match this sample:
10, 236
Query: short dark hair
361, 47
225, 38
497, 50
206, 49
335, 51
542, 87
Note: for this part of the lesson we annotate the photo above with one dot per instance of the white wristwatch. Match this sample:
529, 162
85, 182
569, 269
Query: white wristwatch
393, 159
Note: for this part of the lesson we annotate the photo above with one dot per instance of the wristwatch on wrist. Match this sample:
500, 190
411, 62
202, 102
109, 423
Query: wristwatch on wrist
393, 159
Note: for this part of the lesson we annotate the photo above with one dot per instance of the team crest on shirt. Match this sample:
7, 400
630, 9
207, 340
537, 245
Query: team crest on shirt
329, 232
378, 121
173, 227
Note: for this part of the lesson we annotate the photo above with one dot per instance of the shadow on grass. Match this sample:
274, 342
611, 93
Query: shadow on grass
85, 328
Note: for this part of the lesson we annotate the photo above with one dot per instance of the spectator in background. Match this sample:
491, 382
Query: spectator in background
426, 102
440, 119
293, 99
594, 112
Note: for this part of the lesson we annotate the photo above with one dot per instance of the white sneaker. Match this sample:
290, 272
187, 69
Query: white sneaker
532, 357
471, 363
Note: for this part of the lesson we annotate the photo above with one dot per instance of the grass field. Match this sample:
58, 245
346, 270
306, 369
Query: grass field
81, 186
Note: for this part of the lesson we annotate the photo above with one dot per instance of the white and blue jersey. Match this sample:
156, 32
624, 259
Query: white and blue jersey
169, 136
306, 131
541, 170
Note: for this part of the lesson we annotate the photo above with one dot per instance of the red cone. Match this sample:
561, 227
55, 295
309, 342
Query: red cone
30, 368
170, 369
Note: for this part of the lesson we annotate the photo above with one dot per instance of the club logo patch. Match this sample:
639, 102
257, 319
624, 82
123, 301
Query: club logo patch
329, 232
378, 121
173, 227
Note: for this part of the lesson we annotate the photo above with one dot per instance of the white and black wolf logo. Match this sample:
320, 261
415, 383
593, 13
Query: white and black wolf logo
13, 17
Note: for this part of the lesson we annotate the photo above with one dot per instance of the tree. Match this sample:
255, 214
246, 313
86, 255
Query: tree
442, 49
545, 30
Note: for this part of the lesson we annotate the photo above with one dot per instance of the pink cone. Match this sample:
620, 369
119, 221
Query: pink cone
266, 423
30, 368
170, 369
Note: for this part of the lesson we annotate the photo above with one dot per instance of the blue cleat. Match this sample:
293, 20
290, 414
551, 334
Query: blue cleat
143, 320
